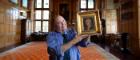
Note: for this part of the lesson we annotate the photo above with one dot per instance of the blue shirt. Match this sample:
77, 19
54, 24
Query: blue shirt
56, 39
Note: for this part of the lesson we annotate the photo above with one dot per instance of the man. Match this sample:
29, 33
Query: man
64, 41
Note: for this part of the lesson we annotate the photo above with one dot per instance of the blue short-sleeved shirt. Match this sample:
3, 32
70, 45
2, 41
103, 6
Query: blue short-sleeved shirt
56, 39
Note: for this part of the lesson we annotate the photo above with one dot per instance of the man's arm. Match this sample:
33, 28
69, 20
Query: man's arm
73, 42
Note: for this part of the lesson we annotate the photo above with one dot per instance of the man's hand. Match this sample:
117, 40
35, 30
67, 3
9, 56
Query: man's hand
78, 38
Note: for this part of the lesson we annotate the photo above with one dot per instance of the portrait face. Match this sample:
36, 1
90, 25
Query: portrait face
88, 24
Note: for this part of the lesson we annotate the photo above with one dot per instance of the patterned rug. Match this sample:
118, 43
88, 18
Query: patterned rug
38, 51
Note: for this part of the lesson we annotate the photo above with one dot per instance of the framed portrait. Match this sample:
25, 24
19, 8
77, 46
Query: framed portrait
88, 22
64, 11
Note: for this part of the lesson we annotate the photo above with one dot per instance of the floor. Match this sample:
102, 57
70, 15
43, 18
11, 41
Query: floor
118, 53
114, 50
9, 47
38, 51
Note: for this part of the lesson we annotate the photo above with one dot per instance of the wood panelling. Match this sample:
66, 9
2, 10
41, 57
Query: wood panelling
130, 26
55, 7
73, 7
9, 24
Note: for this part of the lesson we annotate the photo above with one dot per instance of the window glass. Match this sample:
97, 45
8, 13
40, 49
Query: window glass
37, 26
46, 3
14, 1
83, 3
90, 4
46, 14
24, 3
45, 26
38, 3
38, 14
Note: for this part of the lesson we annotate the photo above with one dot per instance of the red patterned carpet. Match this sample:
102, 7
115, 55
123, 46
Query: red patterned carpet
38, 51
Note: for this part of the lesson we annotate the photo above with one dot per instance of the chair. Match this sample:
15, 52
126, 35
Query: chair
52, 54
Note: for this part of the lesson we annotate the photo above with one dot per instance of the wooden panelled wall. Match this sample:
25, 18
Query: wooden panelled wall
73, 7
54, 10
9, 24
130, 26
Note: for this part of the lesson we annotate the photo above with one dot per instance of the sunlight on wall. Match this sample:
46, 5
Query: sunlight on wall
111, 21
139, 19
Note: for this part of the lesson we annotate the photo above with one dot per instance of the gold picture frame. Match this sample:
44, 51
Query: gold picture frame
88, 22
